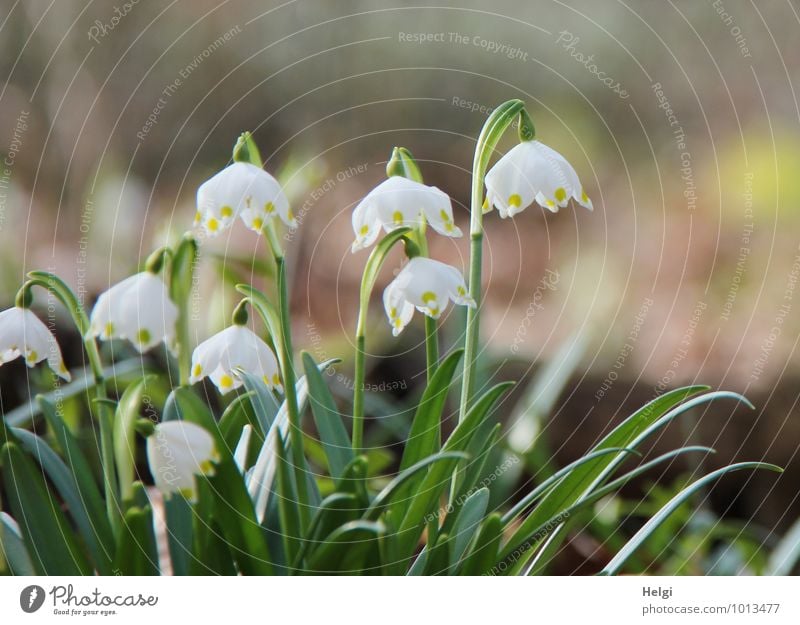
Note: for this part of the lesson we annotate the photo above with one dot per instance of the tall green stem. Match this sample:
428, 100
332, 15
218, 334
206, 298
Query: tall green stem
58, 287
289, 375
181, 273
497, 123
247, 151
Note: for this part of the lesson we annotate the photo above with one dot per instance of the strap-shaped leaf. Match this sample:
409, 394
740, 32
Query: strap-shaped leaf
352, 549
437, 478
48, 537
12, 548
616, 563
77, 488
424, 438
332, 433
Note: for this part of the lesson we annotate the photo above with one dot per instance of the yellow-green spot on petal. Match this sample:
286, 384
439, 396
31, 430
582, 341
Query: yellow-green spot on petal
397, 217
143, 336
561, 194
109, 329
289, 215
549, 203
269, 207
226, 211
276, 379
207, 467
461, 290
186, 493
364, 230
584, 197
398, 322
515, 200
258, 223
428, 297
198, 216
32, 355
212, 224
197, 370
393, 312
226, 381
434, 311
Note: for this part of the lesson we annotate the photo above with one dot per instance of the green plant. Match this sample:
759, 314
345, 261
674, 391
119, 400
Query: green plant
240, 494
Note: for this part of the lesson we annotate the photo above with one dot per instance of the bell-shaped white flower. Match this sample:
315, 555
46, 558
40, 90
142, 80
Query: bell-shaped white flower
398, 202
530, 172
242, 190
236, 347
137, 309
22, 334
427, 285
177, 451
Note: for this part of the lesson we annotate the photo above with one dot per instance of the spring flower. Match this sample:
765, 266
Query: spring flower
398, 202
22, 334
177, 451
530, 172
236, 347
243, 190
138, 309
424, 284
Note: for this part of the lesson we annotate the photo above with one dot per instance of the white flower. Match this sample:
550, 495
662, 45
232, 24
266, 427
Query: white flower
236, 347
23, 334
177, 451
530, 172
426, 285
245, 190
138, 309
398, 202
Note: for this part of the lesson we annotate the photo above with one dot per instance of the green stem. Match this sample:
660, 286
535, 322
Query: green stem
431, 347
358, 389
497, 123
181, 275
59, 288
289, 376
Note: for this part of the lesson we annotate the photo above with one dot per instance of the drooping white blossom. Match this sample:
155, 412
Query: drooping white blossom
532, 172
177, 452
245, 191
398, 202
427, 285
137, 309
236, 347
24, 335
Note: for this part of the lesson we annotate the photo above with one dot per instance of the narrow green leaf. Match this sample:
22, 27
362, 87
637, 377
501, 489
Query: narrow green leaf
384, 498
424, 438
616, 563
437, 478
332, 433
136, 548
287, 502
468, 523
353, 548
77, 488
334, 511
124, 433
48, 537
483, 554
12, 548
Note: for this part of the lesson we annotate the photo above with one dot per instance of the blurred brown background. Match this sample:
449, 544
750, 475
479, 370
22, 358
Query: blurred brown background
680, 117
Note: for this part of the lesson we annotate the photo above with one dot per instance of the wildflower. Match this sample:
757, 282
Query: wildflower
530, 172
243, 190
398, 202
137, 309
22, 334
424, 284
177, 451
236, 347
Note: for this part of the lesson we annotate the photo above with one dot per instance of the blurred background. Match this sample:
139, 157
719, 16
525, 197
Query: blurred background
681, 118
